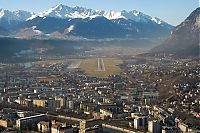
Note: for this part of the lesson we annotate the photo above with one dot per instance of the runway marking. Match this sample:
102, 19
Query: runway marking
100, 63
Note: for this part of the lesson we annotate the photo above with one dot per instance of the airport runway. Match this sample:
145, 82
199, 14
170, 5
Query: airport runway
101, 66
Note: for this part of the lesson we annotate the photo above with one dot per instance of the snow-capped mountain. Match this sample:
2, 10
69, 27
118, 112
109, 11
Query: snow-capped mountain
16, 15
9, 19
85, 23
62, 11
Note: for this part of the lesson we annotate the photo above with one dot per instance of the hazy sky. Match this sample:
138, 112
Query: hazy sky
171, 11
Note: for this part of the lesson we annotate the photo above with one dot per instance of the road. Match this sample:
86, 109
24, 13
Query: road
101, 66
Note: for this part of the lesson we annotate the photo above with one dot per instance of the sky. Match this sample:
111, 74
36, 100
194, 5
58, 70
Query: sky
171, 11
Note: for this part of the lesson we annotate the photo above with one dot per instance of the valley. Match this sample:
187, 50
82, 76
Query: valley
75, 69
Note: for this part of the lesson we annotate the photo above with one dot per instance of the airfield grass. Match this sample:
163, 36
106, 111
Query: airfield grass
90, 67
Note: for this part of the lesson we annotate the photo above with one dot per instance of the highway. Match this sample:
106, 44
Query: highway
101, 66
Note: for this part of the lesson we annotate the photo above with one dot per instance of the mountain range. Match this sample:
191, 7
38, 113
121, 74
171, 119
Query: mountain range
184, 39
65, 22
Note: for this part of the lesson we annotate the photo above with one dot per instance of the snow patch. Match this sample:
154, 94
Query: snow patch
156, 20
1, 13
136, 13
113, 15
32, 17
34, 28
71, 28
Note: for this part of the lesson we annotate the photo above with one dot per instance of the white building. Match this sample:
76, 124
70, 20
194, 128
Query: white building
140, 122
154, 126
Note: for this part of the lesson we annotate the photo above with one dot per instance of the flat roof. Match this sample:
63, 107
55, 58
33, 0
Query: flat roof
32, 117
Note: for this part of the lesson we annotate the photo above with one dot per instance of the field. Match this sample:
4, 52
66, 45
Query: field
90, 67
99, 67
117, 51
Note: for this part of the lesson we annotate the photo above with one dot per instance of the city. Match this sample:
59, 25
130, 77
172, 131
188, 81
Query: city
74, 69
148, 94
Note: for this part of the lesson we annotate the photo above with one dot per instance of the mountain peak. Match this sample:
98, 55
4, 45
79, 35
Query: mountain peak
4, 12
19, 15
136, 13
184, 39
194, 14
85, 22
59, 7
1, 12
194, 18
63, 11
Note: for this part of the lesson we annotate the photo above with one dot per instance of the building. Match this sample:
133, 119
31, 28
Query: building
150, 97
183, 127
169, 130
112, 110
30, 122
118, 85
22, 114
62, 101
106, 113
54, 104
154, 126
56, 127
140, 122
50, 103
39, 103
11, 99
26, 102
6, 123
112, 107
60, 128
95, 129
44, 127
90, 126
70, 104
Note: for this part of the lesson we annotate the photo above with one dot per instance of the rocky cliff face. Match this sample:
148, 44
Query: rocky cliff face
184, 39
